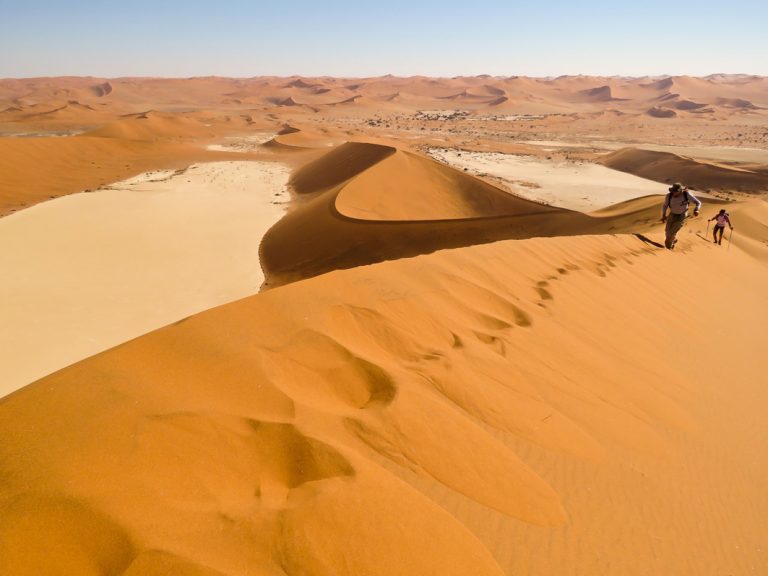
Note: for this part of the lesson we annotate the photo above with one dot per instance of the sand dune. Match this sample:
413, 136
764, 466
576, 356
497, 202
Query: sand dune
36, 169
658, 112
699, 174
570, 185
688, 105
334, 240
151, 125
599, 94
103, 89
396, 189
369, 203
445, 376
663, 84
718, 96
736, 103
315, 425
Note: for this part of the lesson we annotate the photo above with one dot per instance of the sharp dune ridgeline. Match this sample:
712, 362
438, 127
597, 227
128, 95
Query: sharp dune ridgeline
440, 374
372, 202
700, 174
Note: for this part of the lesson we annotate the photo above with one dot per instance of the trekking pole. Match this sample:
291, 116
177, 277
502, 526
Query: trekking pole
729, 240
706, 235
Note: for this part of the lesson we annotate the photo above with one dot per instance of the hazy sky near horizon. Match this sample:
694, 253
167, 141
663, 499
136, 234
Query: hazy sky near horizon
343, 38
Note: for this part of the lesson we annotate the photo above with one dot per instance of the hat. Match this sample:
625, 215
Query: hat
675, 187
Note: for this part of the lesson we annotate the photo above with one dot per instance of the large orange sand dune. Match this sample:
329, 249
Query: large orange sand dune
443, 378
361, 421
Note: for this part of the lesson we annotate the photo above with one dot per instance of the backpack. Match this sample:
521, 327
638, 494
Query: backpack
686, 200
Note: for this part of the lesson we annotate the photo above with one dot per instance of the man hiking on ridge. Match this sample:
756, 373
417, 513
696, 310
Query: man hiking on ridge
722, 218
677, 201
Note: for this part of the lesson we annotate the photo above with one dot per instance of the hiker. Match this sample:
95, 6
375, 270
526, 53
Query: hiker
722, 218
677, 201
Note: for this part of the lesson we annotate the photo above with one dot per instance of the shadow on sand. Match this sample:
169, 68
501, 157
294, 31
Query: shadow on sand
648, 241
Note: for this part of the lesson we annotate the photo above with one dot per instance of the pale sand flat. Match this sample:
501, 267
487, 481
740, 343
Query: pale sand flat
578, 186
86, 272
242, 144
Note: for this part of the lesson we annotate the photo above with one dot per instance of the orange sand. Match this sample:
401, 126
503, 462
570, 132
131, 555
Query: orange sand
443, 378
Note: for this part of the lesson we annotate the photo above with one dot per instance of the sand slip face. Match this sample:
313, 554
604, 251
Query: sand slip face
576, 186
86, 272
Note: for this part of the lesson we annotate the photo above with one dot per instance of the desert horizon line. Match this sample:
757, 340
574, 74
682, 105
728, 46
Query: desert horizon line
388, 75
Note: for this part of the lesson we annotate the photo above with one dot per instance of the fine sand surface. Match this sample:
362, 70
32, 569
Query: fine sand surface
444, 377
92, 270
484, 410
581, 186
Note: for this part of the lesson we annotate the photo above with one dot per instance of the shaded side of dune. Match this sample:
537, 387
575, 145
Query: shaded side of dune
410, 219
701, 175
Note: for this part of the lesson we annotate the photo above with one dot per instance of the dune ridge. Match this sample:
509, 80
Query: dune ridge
703, 175
441, 377
316, 422
334, 240
370, 202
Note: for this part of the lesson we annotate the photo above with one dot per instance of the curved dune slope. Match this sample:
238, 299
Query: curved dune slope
375, 203
404, 186
315, 428
698, 174
338, 166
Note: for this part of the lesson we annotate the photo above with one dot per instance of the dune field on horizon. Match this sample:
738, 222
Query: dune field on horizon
300, 326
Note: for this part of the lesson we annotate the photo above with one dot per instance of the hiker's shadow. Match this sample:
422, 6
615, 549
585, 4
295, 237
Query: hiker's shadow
648, 241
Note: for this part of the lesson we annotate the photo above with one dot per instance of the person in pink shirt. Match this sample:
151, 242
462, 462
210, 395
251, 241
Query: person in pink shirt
721, 219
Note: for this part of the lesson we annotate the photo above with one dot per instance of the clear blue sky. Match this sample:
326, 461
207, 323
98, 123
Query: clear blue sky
360, 38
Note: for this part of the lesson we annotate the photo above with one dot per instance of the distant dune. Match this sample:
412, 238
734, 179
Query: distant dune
36, 169
658, 112
599, 94
564, 94
688, 105
102, 89
698, 174
735, 103
662, 84
445, 373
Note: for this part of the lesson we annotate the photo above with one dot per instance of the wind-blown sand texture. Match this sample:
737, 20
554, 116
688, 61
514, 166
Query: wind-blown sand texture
493, 380
443, 377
